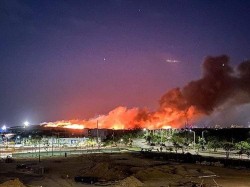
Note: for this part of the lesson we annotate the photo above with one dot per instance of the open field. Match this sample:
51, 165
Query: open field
120, 169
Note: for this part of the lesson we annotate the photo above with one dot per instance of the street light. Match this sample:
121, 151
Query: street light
26, 124
146, 131
161, 135
121, 141
203, 139
4, 127
194, 137
17, 140
202, 133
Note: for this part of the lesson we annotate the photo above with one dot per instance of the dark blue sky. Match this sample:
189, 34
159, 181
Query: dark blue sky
76, 59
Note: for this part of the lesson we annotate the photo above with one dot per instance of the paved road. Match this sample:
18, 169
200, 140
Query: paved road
141, 143
137, 145
34, 152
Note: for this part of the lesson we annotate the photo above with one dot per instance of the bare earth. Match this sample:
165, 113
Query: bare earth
124, 169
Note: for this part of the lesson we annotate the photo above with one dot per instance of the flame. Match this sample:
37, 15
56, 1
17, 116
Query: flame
179, 106
74, 126
64, 124
123, 118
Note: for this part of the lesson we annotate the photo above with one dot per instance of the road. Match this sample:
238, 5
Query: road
220, 153
138, 144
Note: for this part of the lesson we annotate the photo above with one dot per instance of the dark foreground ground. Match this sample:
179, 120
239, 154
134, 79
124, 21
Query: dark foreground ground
121, 169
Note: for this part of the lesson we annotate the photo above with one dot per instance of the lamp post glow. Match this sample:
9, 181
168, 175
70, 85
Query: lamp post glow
146, 131
4, 127
26, 124
203, 139
194, 138
202, 133
161, 135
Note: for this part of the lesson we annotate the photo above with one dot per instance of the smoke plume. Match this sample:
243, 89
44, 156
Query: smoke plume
220, 88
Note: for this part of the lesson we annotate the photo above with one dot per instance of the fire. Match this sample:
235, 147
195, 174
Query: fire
74, 126
64, 124
119, 118
220, 83
123, 118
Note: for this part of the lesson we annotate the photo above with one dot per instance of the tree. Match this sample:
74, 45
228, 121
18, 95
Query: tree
248, 140
45, 144
127, 139
228, 147
201, 143
178, 142
213, 143
243, 147
156, 138
148, 138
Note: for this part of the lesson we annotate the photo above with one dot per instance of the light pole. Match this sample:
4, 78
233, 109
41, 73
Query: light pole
161, 136
4, 127
203, 139
194, 138
146, 131
113, 136
18, 140
26, 124
97, 133
52, 144
202, 134
39, 159
168, 129
121, 141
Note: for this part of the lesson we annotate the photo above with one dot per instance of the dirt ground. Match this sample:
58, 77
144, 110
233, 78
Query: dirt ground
118, 170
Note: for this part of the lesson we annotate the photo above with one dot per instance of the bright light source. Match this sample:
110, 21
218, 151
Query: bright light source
74, 126
121, 140
167, 127
144, 129
26, 124
4, 127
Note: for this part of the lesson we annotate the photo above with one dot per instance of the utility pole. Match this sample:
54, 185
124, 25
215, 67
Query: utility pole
194, 138
161, 136
52, 145
113, 135
97, 135
39, 159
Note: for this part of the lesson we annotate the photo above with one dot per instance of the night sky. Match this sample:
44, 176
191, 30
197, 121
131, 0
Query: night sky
78, 59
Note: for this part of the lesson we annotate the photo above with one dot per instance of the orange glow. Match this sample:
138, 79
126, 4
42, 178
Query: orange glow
64, 124
74, 126
123, 118
167, 127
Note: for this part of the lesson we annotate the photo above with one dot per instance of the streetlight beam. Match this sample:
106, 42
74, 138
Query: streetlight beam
26, 124
4, 127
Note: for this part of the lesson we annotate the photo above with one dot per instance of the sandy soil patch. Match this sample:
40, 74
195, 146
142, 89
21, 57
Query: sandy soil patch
120, 170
